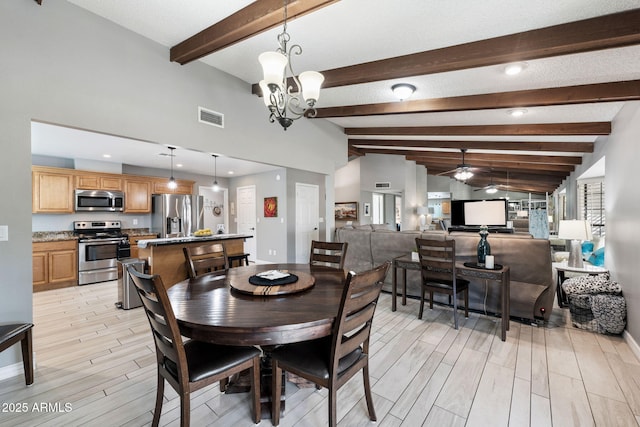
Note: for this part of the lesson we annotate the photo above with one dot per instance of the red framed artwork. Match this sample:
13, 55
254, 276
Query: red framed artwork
270, 207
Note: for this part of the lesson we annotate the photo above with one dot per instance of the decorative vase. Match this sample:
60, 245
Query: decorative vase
484, 248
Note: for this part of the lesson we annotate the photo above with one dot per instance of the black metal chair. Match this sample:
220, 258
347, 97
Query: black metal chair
438, 262
331, 254
191, 365
331, 361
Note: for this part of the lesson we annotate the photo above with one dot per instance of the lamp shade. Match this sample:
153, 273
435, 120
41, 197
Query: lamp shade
265, 93
422, 210
574, 230
311, 82
273, 64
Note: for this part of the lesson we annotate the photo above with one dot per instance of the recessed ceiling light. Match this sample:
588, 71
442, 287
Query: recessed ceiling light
515, 68
230, 172
517, 112
403, 91
178, 165
106, 156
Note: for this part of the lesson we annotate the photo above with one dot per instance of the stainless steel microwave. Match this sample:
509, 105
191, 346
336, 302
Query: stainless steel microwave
99, 201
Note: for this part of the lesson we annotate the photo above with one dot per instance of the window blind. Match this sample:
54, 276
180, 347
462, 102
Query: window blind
591, 205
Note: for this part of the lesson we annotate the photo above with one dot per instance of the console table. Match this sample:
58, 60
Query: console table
405, 263
563, 268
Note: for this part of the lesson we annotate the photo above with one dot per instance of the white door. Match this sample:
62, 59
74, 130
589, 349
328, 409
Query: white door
307, 219
247, 218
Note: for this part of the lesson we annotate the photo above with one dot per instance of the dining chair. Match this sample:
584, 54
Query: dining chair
205, 259
19, 332
328, 253
438, 267
191, 365
331, 361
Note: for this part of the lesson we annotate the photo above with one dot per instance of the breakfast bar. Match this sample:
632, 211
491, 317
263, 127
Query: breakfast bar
166, 258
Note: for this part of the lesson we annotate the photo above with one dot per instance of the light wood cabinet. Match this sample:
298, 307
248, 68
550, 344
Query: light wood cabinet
160, 186
98, 182
52, 190
133, 241
55, 264
137, 195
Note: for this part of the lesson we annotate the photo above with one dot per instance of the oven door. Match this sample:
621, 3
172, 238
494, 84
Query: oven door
95, 254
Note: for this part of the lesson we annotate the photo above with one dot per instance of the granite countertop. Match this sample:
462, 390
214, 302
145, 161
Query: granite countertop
53, 236
178, 240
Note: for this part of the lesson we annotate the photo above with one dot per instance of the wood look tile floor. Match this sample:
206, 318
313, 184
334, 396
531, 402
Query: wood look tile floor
99, 361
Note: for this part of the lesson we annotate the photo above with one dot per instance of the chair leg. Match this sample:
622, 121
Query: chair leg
224, 383
159, 396
333, 395
276, 383
27, 357
431, 300
185, 409
255, 386
421, 303
466, 303
367, 393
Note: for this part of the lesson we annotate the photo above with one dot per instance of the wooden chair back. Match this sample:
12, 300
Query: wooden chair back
353, 324
205, 259
437, 259
328, 253
164, 327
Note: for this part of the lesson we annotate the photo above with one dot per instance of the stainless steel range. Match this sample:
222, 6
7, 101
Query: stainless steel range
100, 245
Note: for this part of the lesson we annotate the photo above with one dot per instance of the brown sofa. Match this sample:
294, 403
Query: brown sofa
532, 285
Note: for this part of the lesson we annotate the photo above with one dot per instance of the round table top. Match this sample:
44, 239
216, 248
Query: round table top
208, 309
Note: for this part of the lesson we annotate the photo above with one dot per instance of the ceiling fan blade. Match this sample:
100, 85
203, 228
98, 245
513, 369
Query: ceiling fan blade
447, 172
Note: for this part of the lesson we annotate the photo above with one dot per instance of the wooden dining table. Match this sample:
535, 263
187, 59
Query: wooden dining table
209, 308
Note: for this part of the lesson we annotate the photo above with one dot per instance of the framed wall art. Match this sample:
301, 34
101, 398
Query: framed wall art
367, 209
346, 211
270, 207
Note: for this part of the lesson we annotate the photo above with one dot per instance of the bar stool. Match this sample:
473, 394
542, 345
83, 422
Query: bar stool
239, 258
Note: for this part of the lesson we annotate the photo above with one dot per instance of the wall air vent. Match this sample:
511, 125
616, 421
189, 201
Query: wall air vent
210, 117
383, 185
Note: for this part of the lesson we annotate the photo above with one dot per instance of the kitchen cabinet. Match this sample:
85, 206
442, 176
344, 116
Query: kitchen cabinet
99, 182
133, 241
160, 186
52, 190
137, 195
55, 264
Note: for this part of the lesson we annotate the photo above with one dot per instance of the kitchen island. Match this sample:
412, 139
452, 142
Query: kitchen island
165, 256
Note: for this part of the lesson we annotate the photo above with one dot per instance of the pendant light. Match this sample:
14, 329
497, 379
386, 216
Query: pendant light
215, 173
172, 184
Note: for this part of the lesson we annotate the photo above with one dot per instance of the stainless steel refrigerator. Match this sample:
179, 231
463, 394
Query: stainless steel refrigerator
176, 215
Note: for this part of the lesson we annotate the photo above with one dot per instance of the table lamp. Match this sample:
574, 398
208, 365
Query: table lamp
576, 231
425, 217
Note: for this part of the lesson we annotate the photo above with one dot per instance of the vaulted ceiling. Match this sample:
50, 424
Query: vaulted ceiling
581, 64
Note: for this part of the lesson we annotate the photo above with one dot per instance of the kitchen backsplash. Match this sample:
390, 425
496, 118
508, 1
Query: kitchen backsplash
51, 222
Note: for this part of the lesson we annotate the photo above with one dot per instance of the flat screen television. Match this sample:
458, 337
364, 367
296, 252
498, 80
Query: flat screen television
474, 213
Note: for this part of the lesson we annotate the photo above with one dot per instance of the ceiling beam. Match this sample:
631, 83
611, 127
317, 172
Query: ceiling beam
603, 32
568, 147
470, 158
569, 95
584, 128
254, 19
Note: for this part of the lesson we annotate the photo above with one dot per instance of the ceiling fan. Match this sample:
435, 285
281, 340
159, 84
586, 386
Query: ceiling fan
492, 188
463, 171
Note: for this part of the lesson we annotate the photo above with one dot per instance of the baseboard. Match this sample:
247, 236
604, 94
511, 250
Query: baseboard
633, 345
14, 370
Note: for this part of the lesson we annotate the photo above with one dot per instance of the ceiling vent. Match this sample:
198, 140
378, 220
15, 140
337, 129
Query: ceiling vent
210, 117
383, 185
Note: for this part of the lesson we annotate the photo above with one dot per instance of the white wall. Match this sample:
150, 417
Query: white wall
66, 66
622, 204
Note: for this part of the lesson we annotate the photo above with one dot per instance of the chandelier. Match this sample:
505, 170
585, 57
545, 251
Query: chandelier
286, 103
